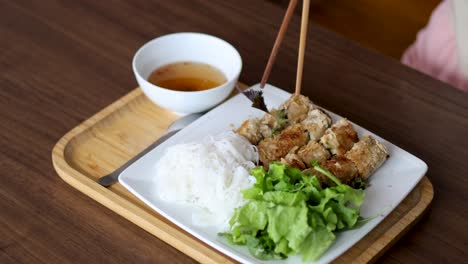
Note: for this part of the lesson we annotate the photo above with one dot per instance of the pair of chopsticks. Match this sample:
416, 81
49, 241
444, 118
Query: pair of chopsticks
279, 39
256, 95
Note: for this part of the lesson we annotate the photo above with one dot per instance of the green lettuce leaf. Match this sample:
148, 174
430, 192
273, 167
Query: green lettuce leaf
288, 222
287, 212
262, 247
316, 243
252, 215
276, 171
285, 198
259, 173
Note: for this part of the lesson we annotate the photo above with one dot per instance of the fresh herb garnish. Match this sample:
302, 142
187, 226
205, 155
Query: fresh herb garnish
281, 121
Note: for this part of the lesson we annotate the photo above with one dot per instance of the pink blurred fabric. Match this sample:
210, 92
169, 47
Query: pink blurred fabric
435, 49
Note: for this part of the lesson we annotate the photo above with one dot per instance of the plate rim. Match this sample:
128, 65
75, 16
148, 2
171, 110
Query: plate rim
240, 256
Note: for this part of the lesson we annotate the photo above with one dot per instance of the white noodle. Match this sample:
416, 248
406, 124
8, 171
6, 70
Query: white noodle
209, 175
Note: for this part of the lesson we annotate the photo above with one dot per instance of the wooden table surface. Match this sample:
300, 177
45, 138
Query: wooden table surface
62, 61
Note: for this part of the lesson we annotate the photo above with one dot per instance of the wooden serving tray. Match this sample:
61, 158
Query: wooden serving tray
115, 134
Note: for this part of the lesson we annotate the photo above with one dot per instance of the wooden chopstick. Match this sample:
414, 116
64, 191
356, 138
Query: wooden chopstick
302, 44
279, 39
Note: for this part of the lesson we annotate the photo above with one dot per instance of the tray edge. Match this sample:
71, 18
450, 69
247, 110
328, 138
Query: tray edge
400, 228
188, 245
200, 251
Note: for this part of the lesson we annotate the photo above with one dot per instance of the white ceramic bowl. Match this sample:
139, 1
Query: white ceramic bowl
194, 47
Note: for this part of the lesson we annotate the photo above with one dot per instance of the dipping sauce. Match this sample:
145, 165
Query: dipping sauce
187, 76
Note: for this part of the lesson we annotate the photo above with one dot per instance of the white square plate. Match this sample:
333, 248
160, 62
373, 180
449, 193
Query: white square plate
389, 185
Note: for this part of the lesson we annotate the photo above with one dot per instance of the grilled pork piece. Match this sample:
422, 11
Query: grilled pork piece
368, 154
266, 125
293, 160
283, 135
339, 138
343, 168
313, 151
276, 147
250, 129
316, 122
296, 107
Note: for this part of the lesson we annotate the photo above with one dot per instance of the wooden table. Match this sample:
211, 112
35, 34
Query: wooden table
62, 61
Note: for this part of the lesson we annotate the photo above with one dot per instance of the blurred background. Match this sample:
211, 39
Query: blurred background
387, 26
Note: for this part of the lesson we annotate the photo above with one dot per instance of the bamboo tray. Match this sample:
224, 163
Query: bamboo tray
115, 134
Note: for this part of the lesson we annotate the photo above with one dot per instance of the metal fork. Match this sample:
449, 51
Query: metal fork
173, 128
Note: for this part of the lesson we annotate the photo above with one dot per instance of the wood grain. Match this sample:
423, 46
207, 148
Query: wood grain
104, 142
63, 61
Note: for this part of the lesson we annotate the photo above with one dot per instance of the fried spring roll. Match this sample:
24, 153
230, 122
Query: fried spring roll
293, 160
296, 107
339, 138
368, 154
316, 123
313, 151
343, 168
276, 147
266, 125
250, 129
